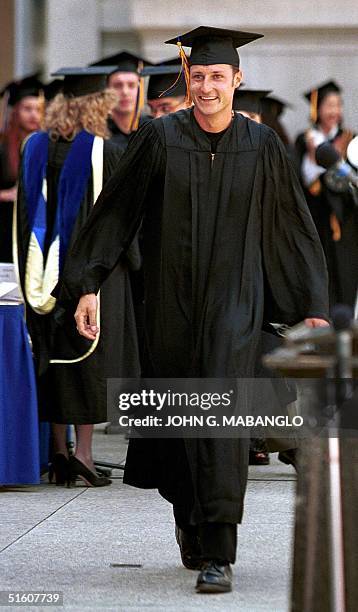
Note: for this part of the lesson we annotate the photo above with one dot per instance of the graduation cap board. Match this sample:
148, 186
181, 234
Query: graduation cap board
124, 61
214, 45
316, 96
83, 81
15, 91
165, 80
249, 100
274, 106
53, 88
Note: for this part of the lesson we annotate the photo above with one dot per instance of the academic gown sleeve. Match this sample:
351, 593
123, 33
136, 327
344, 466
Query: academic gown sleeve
115, 218
294, 263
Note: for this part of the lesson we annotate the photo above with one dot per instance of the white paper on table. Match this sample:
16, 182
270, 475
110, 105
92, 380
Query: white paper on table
9, 289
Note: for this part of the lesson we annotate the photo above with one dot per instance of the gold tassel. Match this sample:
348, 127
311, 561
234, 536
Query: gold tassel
42, 104
345, 139
140, 101
315, 188
335, 227
174, 84
186, 69
314, 106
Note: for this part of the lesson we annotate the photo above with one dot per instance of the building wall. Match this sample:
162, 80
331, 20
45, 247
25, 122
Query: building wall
7, 51
305, 42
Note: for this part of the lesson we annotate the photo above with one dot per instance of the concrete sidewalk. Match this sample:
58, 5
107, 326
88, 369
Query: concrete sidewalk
79, 541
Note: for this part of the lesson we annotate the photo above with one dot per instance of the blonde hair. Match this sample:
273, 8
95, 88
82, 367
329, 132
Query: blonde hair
65, 117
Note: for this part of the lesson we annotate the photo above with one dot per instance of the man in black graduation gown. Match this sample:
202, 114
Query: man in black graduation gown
125, 79
228, 243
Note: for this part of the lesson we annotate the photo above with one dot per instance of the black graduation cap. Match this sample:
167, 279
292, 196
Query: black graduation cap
124, 61
323, 90
165, 78
214, 45
21, 88
249, 100
53, 88
274, 106
83, 81
316, 96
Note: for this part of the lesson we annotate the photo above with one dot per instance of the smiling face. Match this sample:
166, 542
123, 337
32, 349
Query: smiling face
212, 87
330, 111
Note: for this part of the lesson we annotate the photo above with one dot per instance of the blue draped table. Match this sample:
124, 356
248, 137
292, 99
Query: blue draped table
19, 425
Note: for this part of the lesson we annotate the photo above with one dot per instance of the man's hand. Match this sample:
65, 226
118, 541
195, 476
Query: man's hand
86, 316
316, 323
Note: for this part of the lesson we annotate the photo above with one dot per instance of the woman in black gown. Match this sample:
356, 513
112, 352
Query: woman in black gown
62, 172
334, 214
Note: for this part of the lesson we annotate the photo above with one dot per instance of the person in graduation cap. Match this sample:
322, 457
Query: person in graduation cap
63, 170
248, 102
272, 109
125, 78
335, 215
166, 91
52, 88
21, 114
227, 243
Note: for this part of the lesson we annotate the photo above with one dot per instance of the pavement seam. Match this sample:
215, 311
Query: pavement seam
272, 479
43, 520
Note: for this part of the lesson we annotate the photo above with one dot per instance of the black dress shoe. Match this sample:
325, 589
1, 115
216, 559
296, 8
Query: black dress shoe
189, 545
214, 578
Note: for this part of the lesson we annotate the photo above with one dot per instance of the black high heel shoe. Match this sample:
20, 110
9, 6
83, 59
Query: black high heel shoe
59, 468
77, 468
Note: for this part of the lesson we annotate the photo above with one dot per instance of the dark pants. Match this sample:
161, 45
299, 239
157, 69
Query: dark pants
217, 540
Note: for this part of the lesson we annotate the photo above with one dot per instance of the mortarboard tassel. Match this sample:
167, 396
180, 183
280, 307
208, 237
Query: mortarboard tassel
314, 106
139, 103
42, 102
335, 227
186, 70
162, 93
